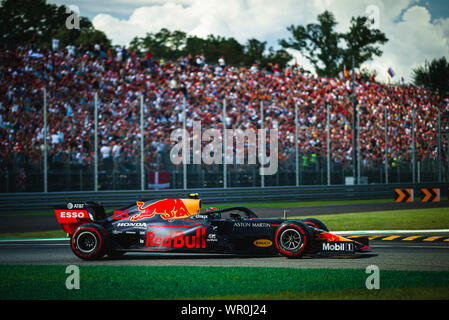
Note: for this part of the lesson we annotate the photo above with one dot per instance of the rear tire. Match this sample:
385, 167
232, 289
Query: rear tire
89, 241
292, 239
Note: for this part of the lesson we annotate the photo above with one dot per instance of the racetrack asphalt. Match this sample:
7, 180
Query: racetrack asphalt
31, 223
387, 255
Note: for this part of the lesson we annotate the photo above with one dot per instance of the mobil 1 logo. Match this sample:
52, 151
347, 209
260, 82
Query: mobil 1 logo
338, 247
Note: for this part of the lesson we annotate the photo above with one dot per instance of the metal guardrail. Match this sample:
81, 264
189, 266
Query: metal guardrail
115, 199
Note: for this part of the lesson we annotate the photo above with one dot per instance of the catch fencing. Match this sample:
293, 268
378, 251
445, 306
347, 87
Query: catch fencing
52, 169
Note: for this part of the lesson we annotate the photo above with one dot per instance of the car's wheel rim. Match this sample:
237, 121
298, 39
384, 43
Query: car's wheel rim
291, 240
86, 242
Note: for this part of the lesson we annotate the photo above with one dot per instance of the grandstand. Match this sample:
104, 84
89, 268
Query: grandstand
72, 77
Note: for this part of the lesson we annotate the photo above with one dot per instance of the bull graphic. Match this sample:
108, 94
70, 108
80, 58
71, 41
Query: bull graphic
167, 209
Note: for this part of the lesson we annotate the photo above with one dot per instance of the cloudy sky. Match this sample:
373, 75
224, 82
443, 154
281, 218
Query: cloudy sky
417, 29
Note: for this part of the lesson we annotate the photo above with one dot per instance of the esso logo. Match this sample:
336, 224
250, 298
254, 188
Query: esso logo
72, 214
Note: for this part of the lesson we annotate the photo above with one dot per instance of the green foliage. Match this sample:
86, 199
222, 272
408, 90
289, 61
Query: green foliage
174, 44
35, 21
433, 76
362, 42
328, 50
280, 57
254, 51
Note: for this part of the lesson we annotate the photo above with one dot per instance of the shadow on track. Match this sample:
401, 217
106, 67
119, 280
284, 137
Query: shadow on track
129, 256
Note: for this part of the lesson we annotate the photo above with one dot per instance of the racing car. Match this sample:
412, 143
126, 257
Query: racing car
179, 225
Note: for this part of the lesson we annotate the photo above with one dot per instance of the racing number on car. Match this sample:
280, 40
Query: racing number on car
120, 215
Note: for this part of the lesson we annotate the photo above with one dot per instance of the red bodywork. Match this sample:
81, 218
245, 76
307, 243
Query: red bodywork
72, 219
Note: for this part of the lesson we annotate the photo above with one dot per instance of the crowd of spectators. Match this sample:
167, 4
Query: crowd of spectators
71, 76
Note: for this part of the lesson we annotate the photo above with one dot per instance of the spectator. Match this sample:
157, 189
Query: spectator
71, 78
221, 62
105, 151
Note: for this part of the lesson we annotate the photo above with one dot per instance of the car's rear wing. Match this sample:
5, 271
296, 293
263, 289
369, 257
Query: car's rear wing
74, 214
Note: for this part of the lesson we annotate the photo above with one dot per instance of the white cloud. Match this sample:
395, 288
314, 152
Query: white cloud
263, 19
413, 35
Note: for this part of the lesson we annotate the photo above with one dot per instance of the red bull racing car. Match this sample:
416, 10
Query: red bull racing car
178, 225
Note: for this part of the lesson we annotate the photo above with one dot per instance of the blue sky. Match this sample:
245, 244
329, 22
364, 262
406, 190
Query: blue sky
437, 8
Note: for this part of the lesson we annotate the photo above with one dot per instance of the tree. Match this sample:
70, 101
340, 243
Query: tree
174, 44
318, 42
361, 42
195, 45
328, 50
26, 21
280, 57
162, 44
433, 76
91, 36
254, 51
136, 44
230, 49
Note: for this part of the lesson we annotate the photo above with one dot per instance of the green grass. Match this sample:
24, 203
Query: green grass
416, 219
179, 282
37, 234
248, 205
423, 293
287, 204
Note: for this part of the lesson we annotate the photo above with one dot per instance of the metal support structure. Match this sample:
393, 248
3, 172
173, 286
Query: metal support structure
413, 146
142, 146
96, 142
225, 147
419, 171
440, 164
262, 146
444, 130
45, 143
296, 146
185, 152
354, 133
386, 144
328, 143
358, 145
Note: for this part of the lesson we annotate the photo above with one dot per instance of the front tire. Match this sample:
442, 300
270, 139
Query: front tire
292, 239
89, 241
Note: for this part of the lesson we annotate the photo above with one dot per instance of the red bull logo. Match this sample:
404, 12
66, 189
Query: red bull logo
178, 239
167, 209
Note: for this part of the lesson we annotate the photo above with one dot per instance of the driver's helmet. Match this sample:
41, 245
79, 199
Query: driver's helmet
211, 209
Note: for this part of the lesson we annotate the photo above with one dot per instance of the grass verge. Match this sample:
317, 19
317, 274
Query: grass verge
416, 219
179, 282
249, 205
34, 235
435, 218
288, 204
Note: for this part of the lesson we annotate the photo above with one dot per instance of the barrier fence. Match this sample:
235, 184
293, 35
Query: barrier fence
312, 170
58, 170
